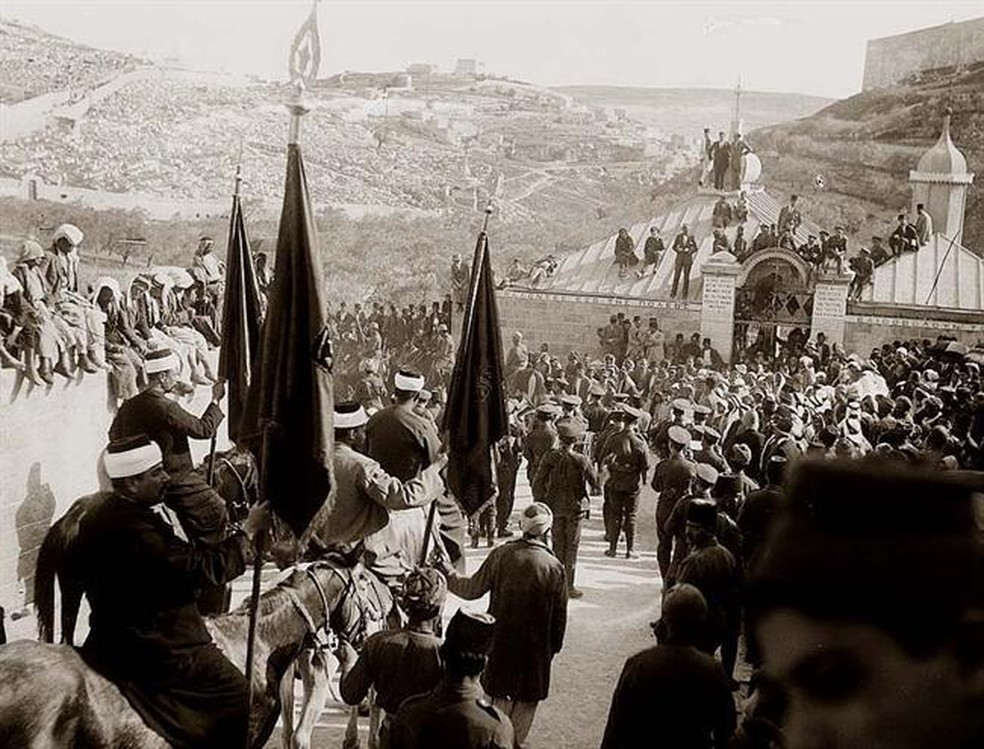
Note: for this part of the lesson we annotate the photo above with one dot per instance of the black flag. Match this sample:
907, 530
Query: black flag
475, 418
288, 419
241, 315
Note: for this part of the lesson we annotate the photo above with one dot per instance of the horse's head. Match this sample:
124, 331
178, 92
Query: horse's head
236, 480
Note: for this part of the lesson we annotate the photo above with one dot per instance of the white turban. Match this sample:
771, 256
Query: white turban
536, 519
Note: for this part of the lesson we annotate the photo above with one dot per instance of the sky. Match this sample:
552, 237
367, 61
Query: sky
788, 46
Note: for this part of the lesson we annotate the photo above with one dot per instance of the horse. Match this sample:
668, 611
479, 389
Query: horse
235, 480
51, 699
370, 609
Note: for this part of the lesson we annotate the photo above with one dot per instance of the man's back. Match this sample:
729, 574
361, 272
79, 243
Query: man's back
672, 696
400, 441
399, 663
452, 715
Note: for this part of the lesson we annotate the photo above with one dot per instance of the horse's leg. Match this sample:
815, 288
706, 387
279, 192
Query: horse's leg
315, 679
351, 740
373, 720
287, 709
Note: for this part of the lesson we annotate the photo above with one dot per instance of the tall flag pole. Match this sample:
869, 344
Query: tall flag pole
475, 419
287, 418
241, 316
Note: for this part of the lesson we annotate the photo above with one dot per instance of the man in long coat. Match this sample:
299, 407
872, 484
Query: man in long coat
529, 602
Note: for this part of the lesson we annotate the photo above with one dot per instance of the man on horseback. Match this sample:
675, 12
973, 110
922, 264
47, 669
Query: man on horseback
146, 633
201, 511
365, 495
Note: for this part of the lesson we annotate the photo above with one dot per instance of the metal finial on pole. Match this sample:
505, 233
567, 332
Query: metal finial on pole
298, 107
488, 215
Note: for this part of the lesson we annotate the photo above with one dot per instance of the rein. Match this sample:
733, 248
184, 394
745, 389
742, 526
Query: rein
322, 634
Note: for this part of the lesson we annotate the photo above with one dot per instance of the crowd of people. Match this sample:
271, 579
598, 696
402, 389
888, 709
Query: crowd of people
50, 326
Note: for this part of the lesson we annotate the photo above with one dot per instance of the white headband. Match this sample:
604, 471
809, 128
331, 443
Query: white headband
410, 383
132, 462
351, 419
162, 364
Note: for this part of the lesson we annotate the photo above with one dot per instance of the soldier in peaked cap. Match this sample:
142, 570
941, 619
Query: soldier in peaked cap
399, 663
562, 481
671, 482
872, 577
626, 457
541, 438
145, 631
710, 450
660, 436
455, 713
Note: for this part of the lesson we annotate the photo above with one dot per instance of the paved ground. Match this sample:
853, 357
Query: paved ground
604, 627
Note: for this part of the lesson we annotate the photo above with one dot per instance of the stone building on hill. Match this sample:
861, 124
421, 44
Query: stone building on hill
892, 59
938, 290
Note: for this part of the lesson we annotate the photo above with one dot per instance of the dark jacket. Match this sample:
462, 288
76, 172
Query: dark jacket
166, 423
561, 482
401, 442
627, 458
399, 663
671, 479
452, 715
146, 633
529, 603
673, 696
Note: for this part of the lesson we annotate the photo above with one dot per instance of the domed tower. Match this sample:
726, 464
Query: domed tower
940, 182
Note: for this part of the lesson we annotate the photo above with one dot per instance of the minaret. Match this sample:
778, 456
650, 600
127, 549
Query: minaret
736, 123
940, 182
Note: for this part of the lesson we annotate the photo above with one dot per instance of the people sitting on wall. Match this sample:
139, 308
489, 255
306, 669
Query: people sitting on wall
789, 216
625, 256
740, 209
879, 254
720, 242
904, 238
652, 251
864, 269
739, 247
835, 251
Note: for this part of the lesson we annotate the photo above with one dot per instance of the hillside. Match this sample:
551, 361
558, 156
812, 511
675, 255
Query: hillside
685, 112
864, 147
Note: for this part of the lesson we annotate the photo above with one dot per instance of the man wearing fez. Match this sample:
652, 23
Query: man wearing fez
528, 599
456, 713
202, 512
867, 607
145, 631
713, 570
672, 688
399, 663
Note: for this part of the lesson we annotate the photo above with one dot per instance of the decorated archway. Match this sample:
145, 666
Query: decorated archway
773, 304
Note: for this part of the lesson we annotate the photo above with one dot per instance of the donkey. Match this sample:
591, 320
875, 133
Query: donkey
50, 698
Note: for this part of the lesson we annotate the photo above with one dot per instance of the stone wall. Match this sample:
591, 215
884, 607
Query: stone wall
568, 321
870, 325
50, 442
891, 59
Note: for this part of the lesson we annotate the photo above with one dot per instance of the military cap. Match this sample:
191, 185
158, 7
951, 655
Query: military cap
711, 434
621, 397
680, 404
631, 413
678, 435
570, 400
707, 473
547, 409
596, 389
702, 512
702, 410
570, 429
424, 396
696, 430
469, 633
